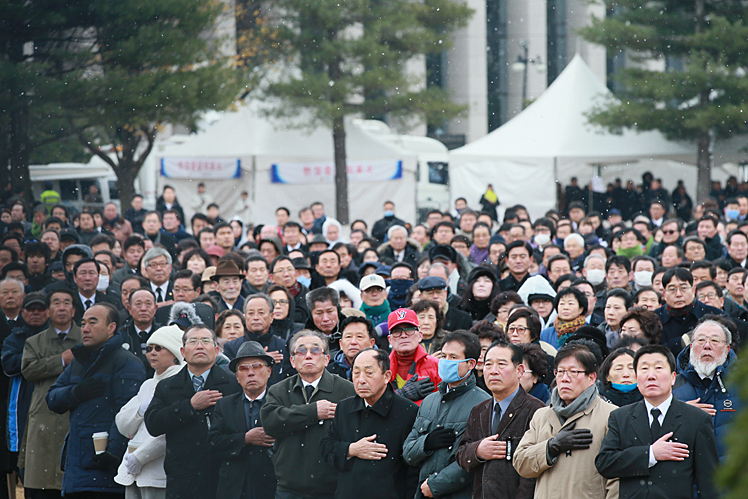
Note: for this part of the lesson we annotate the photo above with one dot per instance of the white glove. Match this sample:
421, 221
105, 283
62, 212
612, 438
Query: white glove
144, 407
132, 465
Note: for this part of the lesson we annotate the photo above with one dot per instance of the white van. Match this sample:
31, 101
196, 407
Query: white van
72, 181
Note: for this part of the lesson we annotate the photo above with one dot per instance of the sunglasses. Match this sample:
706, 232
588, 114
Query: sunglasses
314, 351
151, 348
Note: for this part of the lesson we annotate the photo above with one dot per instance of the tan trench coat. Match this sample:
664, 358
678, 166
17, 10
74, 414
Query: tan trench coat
41, 364
573, 476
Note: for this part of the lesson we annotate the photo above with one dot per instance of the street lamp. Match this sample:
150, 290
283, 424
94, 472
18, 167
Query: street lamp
523, 60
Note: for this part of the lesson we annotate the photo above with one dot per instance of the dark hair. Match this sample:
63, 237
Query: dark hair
443, 223
221, 319
649, 323
255, 258
629, 341
682, 274
517, 352
321, 295
134, 240
519, 244
502, 299
735, 232
195, 327
602, 374
37, 248
537, 359
208, 300
330, 252
379, 355
141, 280
709, 218
221, 225
703, 264
487, 329
102, 238
555, 258
532, 318
423, 305
581, 353
195, 279
651, 349
86, 260
643, 289
709, 284
618, 260
198, 216
578, 295
147, 289
468, 340
403, 265
15, 266
112, 314
642, 258
355, 319
277, 260
620, 293
65, 291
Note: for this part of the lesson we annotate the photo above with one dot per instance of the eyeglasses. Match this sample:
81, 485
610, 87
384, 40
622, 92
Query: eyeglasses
304, 350
151, 348
517, 329
183, 290
284, 271
157, 265
573, 373
715, 342
203, 341
405, 331
283, 302
711, 296
669, 232
674, 289
255, 366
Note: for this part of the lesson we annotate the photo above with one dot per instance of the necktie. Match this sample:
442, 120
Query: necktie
11, 323
248, 412
88, 304
309, 389
197, 382
496, 419
159, 297
62, 335
655, 428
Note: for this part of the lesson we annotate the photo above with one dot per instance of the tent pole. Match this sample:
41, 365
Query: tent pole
254, 178
558, 182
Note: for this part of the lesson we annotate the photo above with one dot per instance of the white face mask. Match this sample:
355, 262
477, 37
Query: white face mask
596, 276
542, 239
103, 283
643, 278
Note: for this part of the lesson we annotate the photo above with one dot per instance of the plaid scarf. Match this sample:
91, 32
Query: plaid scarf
680, 312
568, 327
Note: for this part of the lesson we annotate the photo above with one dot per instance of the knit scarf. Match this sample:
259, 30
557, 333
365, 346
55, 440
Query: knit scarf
579, 404
680, 312
568, 327
377, 314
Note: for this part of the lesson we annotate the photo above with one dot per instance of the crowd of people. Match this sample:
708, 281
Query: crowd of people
579, 354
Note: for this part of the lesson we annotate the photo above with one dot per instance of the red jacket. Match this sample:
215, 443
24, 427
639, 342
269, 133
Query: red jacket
426, 365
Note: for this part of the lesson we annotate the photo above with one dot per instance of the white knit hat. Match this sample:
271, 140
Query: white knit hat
169, 337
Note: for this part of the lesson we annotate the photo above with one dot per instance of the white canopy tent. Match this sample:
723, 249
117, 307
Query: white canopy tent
552, 141
272, 158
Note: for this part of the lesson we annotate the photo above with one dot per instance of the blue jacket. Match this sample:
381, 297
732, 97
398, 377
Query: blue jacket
550, 336
688, 386
19, 390
123, 373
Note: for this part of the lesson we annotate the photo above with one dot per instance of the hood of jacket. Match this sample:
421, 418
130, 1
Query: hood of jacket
684, 367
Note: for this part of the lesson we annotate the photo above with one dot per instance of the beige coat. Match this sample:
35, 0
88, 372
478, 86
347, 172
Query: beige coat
571, 476
41, 364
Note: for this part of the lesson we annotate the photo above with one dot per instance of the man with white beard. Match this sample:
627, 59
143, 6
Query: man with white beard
702, 369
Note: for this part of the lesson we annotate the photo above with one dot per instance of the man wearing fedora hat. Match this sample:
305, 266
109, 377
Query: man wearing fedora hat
237, 438
229, 279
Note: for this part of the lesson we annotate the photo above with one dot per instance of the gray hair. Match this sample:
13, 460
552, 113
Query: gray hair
576, 237
155, 253
16, 281
439, 265
593, 256
261, 296
322, 294
394, 228
708, 322
308, 332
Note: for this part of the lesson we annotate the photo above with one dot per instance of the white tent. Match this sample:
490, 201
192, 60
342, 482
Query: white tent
281, 164
549, 141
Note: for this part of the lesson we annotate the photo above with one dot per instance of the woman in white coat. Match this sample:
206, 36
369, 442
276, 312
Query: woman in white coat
142, 469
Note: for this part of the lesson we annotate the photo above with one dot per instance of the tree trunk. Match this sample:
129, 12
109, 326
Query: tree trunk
704, 164
126, 175
341, 170
19, 144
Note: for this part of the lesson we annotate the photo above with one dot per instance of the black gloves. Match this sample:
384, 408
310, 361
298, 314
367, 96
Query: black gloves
416, 389
439, 439
569, 439
106, 460
89, 388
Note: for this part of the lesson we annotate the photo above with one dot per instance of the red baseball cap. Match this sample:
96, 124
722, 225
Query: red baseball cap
402, 316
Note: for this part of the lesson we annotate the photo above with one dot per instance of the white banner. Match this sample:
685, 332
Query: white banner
324, 172
196, 168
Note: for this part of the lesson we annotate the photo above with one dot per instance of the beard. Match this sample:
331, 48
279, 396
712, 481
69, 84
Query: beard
706, 369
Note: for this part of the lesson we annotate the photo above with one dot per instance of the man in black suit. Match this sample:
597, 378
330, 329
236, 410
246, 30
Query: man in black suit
141, 325
659, 447
182, 409
158, 267
152, 230
86, 278
237, 438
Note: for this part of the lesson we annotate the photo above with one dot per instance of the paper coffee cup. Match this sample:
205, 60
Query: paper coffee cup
100, 440
131, 448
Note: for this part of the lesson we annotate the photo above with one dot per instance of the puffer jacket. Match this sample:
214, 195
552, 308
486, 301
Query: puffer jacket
449, 410
688, 386
123, 374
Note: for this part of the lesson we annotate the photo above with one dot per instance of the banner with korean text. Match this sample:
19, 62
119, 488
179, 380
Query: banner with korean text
324, 172
201, 168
